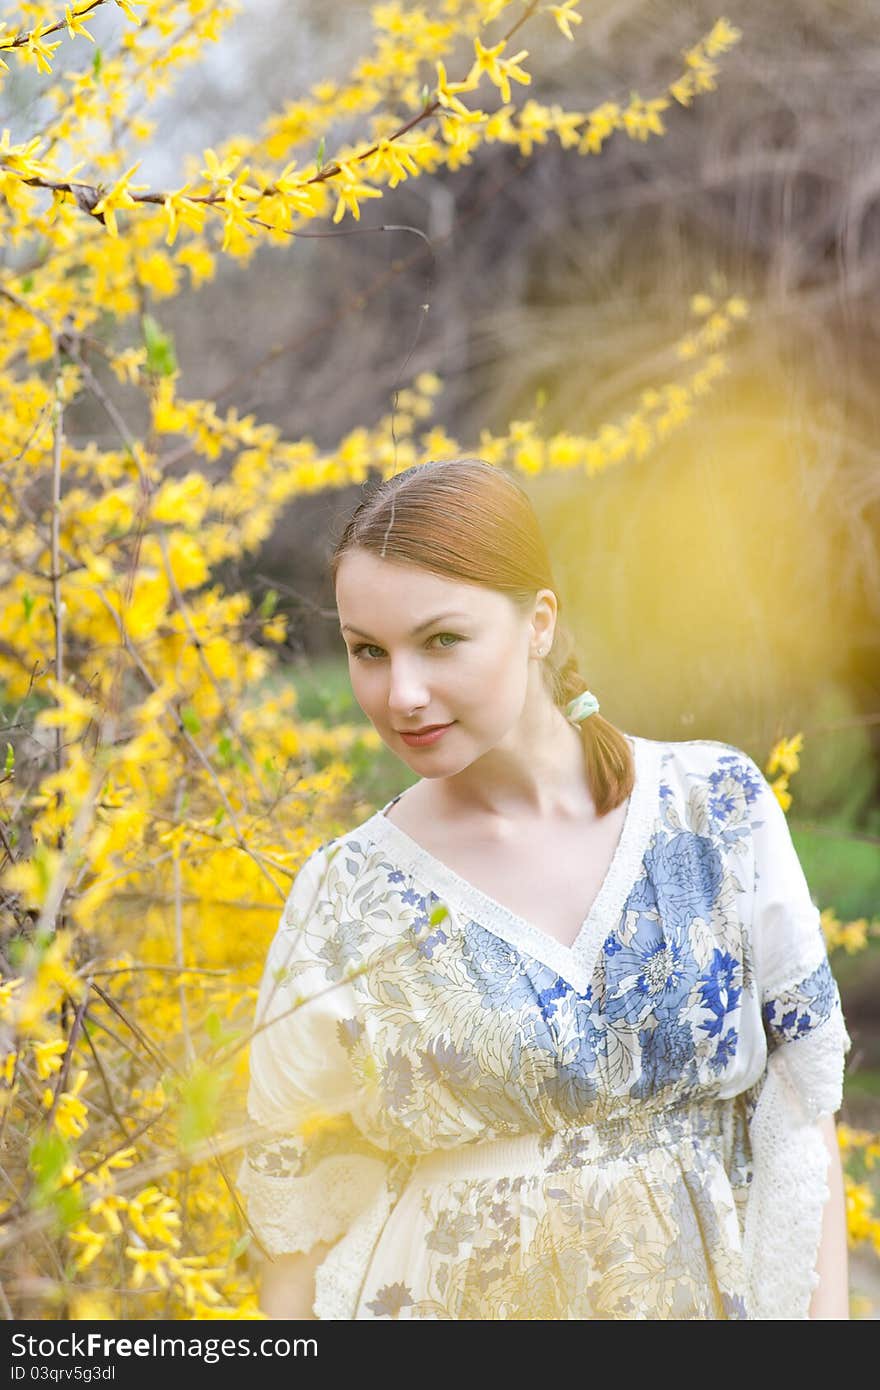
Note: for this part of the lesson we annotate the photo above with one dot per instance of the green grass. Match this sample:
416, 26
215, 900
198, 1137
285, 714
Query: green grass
864, 1082
843, 873
324, 692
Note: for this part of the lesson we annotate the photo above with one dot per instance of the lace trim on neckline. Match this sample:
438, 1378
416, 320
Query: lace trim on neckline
574, 963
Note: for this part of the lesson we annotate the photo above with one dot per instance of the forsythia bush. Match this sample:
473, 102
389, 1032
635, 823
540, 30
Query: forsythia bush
152, 810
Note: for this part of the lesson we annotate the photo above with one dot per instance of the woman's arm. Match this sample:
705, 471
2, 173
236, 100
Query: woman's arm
287, 1283
831, 1296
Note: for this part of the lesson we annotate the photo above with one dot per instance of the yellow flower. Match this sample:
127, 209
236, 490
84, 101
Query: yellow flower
119, 196
499, 70
723, 36
7, 990
783, 796
534, 124
859, 1210
18, 157
76, 24
70, 1116
195, 1280
126, 8
601, 122
199, 262
179, 209
148, 1263
641, 118
428, 384
446, 91
784, 755
72, 712
566, 15
38, 52
683, 90
48, 1057
394, 159
92, 1242
350, 191
217, 171
127, 365
108, 1207
86, 1307
32, 878
565, 124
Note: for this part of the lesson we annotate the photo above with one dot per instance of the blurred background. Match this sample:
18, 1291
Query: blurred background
727, 586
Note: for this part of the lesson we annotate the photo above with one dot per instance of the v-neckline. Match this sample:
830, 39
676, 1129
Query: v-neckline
575, 963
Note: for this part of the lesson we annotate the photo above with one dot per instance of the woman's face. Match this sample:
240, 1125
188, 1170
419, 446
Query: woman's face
426, 650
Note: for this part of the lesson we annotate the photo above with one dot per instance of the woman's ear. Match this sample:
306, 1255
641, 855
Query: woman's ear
543, 621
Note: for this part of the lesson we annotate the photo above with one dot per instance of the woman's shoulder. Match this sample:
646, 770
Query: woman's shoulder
710, 786
708, 756
338, 864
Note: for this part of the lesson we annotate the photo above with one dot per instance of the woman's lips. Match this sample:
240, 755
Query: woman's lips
420, 740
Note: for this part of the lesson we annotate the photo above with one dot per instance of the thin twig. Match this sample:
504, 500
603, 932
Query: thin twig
57, 607
154, 1050
178, 933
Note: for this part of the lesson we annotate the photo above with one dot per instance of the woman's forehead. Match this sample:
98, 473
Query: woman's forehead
368, 586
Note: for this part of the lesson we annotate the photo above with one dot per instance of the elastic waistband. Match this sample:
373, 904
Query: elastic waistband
556, 1150
520, 1151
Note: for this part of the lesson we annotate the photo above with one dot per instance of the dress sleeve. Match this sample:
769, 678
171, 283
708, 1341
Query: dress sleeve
800, 1000
308, 1173
807, 1043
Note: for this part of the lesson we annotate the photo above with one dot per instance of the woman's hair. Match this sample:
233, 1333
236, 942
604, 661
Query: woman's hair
468, 520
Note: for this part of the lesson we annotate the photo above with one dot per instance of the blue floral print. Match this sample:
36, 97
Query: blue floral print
802, 1007
550, 1117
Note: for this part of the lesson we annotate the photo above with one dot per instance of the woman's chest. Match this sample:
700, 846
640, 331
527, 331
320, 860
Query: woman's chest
549, 876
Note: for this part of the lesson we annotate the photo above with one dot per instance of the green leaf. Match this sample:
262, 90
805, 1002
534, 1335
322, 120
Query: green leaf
10, 759
190, 720
239, 1247
161, 357
44, 872
224, 748
201, 1094
27, 284
97, 61
27, 604
319, 157
47, 1157
218, 1032
269, 603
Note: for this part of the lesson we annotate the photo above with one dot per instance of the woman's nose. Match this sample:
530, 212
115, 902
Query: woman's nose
407, 690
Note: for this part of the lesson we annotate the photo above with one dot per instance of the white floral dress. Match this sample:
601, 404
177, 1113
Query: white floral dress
488, 1124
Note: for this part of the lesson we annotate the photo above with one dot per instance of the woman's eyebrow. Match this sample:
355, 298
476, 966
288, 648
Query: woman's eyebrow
429, 622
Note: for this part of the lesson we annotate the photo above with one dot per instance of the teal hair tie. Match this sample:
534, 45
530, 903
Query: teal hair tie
582, 706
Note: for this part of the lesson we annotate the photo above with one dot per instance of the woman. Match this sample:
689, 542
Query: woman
553, 1034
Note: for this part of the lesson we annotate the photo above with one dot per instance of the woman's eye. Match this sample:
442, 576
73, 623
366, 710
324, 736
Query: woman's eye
366, 647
